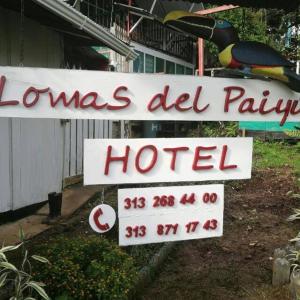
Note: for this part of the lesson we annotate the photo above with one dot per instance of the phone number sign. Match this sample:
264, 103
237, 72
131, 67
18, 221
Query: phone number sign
162, 214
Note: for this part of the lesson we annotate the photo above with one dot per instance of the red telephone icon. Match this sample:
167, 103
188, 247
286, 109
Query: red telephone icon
97, 214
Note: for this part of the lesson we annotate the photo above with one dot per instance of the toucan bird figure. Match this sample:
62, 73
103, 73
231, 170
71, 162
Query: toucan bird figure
247, 57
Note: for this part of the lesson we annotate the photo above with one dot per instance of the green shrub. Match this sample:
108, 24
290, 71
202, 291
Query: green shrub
219, 129
87, 268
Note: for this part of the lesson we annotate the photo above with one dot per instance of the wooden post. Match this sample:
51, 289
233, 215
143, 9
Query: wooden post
201, 41
281, 271
128, 19
244, 132
200, 57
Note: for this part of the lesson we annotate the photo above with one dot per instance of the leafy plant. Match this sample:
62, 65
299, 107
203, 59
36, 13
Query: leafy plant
292, 133
293, 195
217, 129
18, 281
294, 256
295, 216
87, 268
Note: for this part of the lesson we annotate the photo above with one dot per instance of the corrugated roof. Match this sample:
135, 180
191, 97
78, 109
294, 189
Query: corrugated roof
70, 14
279, 4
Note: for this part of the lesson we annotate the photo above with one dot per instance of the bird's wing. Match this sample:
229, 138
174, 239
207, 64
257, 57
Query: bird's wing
258, 54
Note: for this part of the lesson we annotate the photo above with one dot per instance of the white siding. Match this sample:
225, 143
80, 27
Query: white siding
36, 160
73, 156
5, 182
66, 167
79, 147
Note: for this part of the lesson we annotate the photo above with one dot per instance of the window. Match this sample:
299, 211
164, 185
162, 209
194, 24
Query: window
170, 67
149, 64
160, 65
138, 64
179, 69
189, 71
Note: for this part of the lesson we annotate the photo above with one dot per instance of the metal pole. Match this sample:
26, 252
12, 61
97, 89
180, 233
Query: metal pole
128, 18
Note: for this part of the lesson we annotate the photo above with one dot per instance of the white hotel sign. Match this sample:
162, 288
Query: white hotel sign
77, 94
115, 161
154, 214
161, 214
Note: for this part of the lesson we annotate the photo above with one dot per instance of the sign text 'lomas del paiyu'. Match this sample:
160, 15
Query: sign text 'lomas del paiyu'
117, 161
78, 94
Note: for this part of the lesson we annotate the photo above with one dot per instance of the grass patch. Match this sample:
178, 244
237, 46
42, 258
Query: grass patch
276, 155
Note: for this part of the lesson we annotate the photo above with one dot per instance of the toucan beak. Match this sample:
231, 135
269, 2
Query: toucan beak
190, 23
179, 14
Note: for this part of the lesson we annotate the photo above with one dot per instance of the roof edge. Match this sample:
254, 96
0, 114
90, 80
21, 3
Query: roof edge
84, 23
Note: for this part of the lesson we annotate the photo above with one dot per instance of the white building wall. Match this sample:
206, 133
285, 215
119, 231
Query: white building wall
36, 160
31, 150
36, 154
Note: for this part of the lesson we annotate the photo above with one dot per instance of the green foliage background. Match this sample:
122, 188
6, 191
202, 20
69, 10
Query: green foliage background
266, 26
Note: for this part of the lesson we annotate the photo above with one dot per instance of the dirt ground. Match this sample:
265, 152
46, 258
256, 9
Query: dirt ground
238, 265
